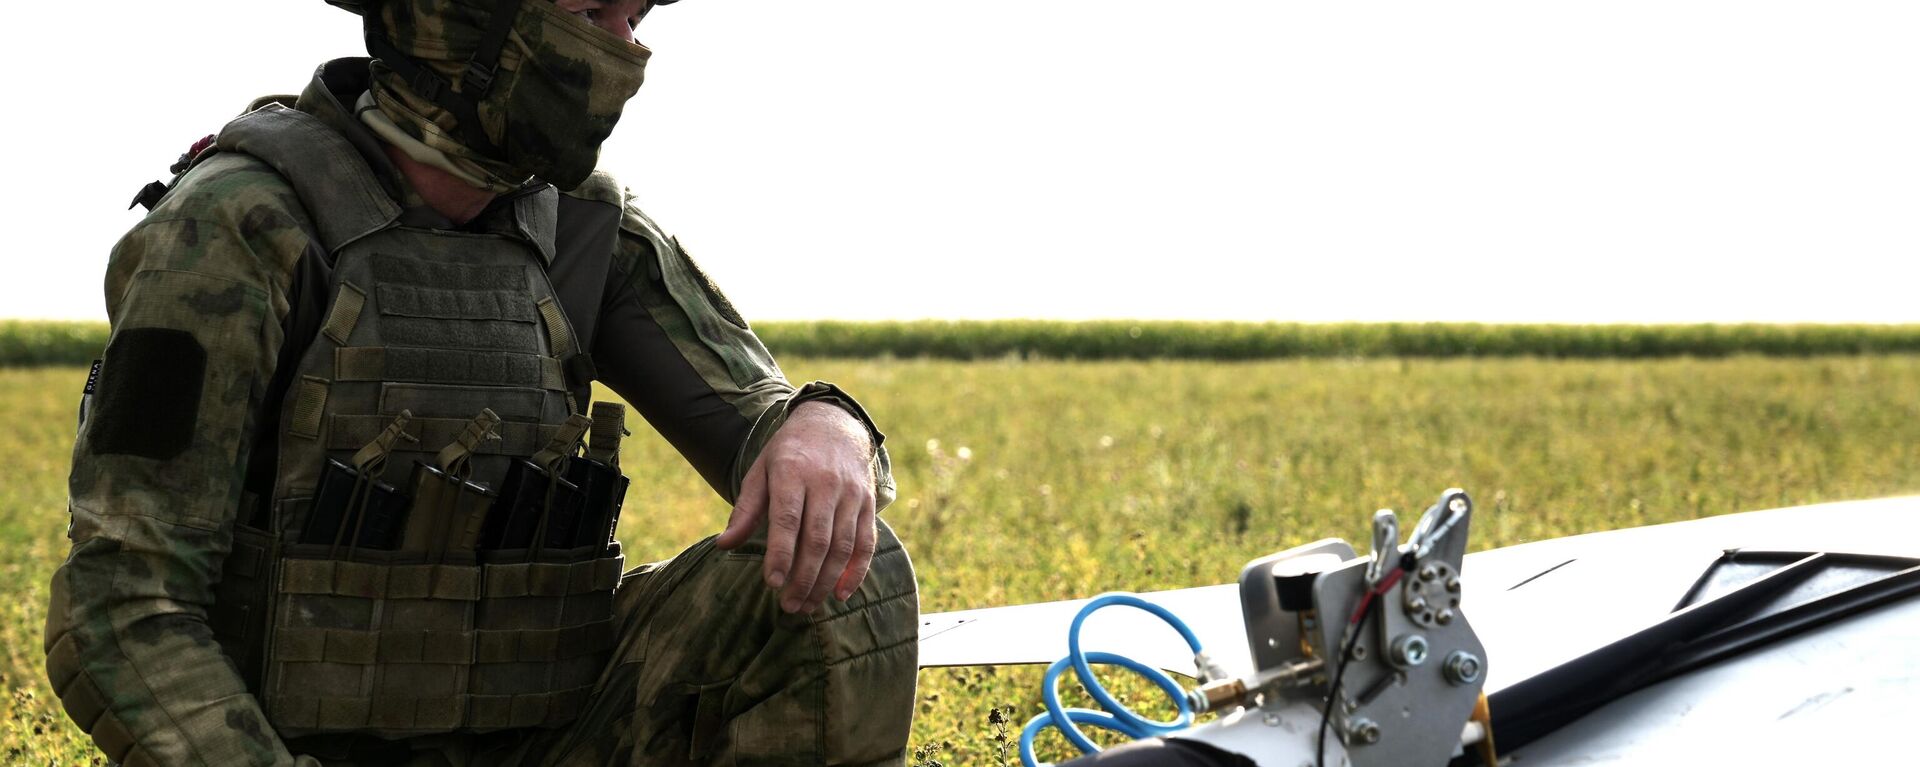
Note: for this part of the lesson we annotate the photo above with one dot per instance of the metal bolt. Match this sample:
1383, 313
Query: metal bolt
1363, 730
1409, 650
1453, 585
1416, 604
1458, 505
1463, 667
1270, 719
1443, 617
1359, 652
1428, 573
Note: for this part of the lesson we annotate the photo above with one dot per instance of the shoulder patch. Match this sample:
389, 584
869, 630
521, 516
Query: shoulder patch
670, 256
149, 394
721, 304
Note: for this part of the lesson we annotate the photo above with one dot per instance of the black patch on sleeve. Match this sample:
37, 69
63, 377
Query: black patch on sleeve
149, 394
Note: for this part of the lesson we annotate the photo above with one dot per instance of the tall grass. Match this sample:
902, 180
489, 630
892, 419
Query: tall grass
1120, 339
1024, 481
56, 343
31, 342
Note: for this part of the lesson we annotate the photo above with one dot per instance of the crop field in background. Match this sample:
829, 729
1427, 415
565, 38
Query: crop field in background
1026, 481
74, 343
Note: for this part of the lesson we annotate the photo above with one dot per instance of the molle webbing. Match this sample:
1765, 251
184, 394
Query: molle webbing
348, 635
395, 713
414, 646
508, 337
309, 406
457, 304
438, 363
345, 313
444, 366
453, 582
392, 271
559, 335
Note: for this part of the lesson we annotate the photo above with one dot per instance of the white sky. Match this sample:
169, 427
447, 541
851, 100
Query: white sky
1243, 159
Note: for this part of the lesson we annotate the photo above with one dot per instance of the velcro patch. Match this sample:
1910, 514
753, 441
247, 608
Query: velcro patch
721, 305
148, 398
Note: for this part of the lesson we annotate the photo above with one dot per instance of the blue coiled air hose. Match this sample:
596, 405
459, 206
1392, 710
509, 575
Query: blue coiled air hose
1116, 717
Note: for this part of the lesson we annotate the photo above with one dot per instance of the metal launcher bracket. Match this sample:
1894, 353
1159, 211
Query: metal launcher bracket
1410, 679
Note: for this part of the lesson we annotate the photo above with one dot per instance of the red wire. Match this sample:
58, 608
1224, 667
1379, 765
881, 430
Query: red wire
1367, 601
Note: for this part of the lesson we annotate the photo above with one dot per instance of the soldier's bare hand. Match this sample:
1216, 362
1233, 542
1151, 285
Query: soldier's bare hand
813, 488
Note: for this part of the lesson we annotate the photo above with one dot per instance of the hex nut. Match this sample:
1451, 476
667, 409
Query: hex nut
1463, 667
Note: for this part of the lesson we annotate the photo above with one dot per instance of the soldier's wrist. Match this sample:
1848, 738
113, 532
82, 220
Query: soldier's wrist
829, 394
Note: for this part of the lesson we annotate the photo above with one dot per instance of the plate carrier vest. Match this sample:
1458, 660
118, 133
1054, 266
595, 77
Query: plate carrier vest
442, 359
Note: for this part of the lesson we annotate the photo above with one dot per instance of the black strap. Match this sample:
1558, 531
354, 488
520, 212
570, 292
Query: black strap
464, 103
486, 59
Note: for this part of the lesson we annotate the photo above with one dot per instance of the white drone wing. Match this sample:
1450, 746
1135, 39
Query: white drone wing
1534, 605
1037, 633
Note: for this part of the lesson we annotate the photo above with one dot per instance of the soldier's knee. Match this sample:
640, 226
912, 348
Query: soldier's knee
889, 597
872, 660
892, 569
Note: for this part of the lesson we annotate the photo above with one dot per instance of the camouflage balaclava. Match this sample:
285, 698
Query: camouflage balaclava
543, 111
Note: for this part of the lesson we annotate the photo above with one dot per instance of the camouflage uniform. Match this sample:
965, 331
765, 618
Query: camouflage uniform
207, 303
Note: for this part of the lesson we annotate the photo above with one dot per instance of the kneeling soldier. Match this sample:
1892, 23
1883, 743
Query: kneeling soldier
340, 495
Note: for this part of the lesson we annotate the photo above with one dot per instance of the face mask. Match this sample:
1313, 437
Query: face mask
557, 92
573, 82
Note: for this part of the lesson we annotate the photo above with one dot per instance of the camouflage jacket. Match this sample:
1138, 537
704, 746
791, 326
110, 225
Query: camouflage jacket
204, 300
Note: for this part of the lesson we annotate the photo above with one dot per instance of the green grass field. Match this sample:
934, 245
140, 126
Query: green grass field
35, 342
1031, 481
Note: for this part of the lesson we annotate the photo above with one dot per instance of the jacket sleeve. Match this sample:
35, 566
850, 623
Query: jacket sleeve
673, 346
195, 294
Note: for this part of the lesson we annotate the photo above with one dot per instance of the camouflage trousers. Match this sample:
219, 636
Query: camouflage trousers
710, 671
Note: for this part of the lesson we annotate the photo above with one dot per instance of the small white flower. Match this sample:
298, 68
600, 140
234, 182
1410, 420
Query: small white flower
964, 453
1106, 441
